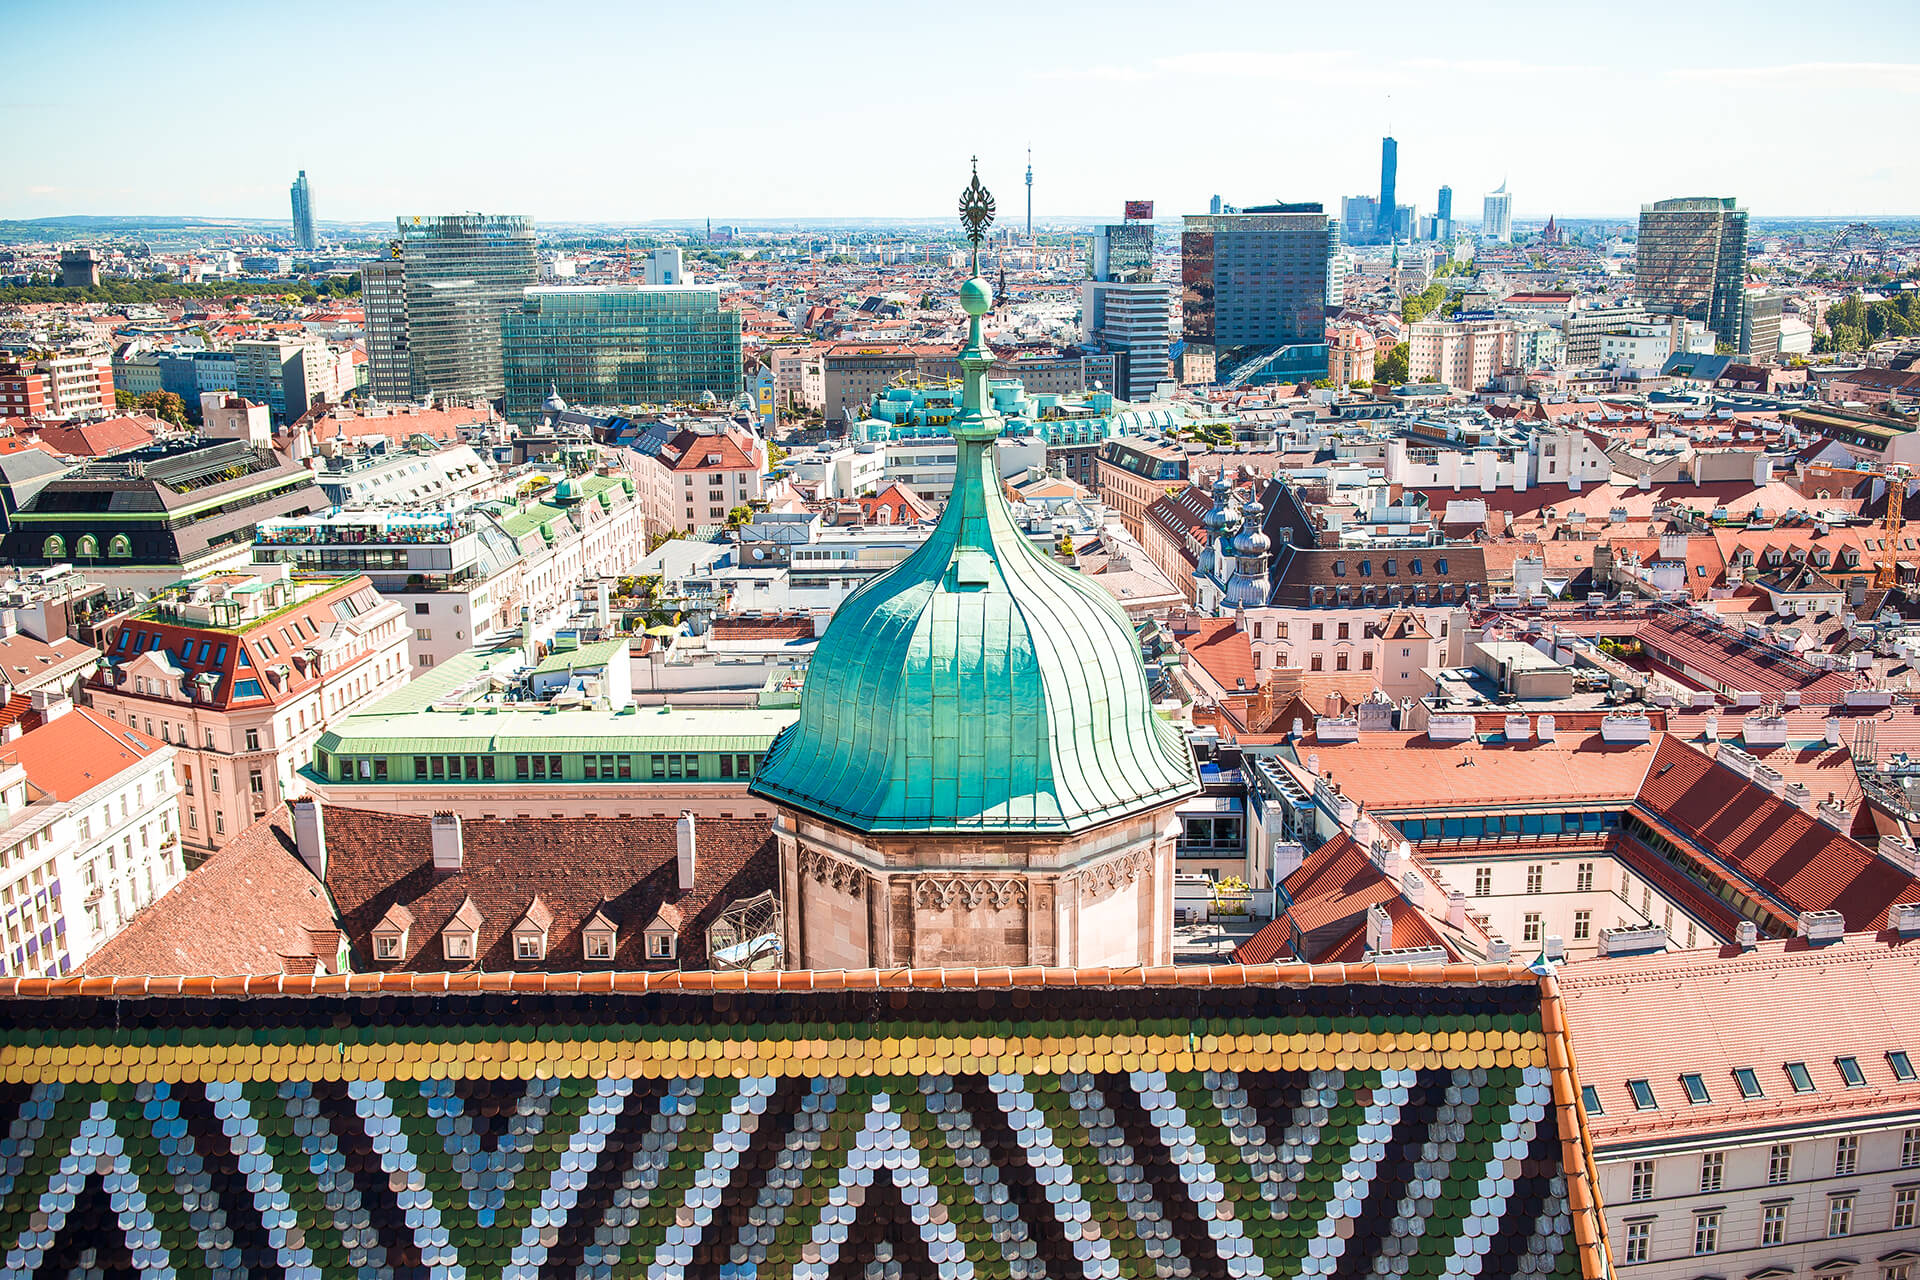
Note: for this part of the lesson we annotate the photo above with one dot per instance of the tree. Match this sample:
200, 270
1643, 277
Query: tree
1416, 307
125, 400
165, 405
1392, 368
738, 516
1066, 546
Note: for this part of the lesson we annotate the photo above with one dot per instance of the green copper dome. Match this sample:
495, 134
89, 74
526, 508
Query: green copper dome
979, 685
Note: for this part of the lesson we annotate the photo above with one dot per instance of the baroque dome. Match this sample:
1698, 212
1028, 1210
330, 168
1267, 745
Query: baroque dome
979, 685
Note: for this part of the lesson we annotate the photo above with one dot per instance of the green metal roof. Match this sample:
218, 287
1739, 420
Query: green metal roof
597, 654
979, 685
505, 731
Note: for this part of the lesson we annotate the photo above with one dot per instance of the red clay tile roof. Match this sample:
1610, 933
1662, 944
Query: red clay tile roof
101, 439
1718, 1010
74, 753
1798, 860
1729, 658
246, 910
625, 868
1336, 885
780, 626
1402, 771
696, 451
1219, 645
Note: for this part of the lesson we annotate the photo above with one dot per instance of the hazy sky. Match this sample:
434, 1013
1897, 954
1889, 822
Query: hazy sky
632, 112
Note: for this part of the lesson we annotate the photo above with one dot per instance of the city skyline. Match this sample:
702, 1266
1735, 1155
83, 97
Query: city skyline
727, 159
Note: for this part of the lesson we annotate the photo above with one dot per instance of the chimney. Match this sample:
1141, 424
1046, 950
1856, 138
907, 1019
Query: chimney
1556, 949
1834, 813
683, 839
1747, 935
310, 835
1332, 705
1896, 850
1379, 929
1904, 919
1821, 926
1499, 951
1456, 910
1833, 731
448, 848
1299, 730
1797, 795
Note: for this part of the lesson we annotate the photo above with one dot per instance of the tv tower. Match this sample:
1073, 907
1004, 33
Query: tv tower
1029, 195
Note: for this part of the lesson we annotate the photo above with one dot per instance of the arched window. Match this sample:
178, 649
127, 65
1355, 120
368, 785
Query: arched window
88, 548
120, 548
54, 548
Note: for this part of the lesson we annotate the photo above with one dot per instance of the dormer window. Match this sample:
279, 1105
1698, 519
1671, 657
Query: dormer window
663, 934
460, 940
659, 946
599, 938
530, 934
390, 935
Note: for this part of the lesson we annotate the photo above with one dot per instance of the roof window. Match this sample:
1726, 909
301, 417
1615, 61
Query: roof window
1642, 1091
1749, 1083
1850, 1072
1901, 1064
1696, 1088
1802, 1078
1590, 1099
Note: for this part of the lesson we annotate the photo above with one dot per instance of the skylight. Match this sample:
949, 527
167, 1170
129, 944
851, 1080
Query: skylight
1749, 1083
1850, 1072
1590, 1099
1801, 1077
1902, 1065
1696, 1088
1642, 1095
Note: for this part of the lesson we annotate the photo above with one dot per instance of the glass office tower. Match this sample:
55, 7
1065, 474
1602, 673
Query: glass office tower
620, 345
1256, 278
462, 274
1691, 260
303, 213
1123, 252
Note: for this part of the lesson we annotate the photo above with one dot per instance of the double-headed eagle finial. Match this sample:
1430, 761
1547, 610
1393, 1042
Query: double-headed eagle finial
976, 211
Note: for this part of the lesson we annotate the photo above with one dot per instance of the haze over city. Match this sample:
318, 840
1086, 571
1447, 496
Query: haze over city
764, 110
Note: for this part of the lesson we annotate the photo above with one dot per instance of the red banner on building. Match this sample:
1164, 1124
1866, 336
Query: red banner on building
1139, 211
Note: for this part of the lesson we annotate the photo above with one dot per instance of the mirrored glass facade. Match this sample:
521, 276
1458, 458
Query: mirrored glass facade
463, 273
621, 345
1691, 261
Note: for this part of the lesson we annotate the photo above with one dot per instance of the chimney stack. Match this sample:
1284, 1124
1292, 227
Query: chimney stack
1457, 910
310, 836
1904, 919
1747, 935
683, 836
1379, 929
448, 848
1821, 926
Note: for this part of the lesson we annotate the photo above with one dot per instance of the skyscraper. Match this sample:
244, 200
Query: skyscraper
1691, 261
620, 345
442, 293
1213, 205
1255, 279
303, 213
1496, 219
1386, 224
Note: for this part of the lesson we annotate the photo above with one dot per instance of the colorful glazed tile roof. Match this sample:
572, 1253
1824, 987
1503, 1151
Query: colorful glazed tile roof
1213, 1123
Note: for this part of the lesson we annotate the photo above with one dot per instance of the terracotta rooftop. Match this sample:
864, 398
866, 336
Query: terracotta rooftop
72, 754
1712, 1012
624, 868
1402, 771
251, 908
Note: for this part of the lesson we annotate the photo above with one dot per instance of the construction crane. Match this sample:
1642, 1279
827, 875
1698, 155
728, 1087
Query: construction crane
1886, 571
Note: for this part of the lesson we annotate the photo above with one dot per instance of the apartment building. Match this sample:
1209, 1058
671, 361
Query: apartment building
1132, 475
58, 388
1755, 1109
709, 473
242, 672
1463, 354
89, 814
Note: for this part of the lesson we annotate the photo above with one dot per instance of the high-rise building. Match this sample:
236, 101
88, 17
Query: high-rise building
663, 266
458, 275
1496, 219
303, 213
1387, 224
1760, 326
1134, 321
1691, 261
1443, 214
1213, 205
1123, 252
620, 345
1258, 277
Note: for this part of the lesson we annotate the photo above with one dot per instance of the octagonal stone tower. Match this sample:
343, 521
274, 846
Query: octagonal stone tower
977, 775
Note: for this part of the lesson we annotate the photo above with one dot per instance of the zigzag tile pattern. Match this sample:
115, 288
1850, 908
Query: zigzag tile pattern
1327, 1132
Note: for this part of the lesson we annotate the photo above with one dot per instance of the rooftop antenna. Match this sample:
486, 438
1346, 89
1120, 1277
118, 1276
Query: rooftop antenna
1029, 193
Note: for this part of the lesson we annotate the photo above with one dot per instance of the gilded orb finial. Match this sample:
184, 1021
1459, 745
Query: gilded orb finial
976, 212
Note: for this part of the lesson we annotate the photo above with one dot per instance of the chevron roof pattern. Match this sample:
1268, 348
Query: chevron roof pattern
1361, 1130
